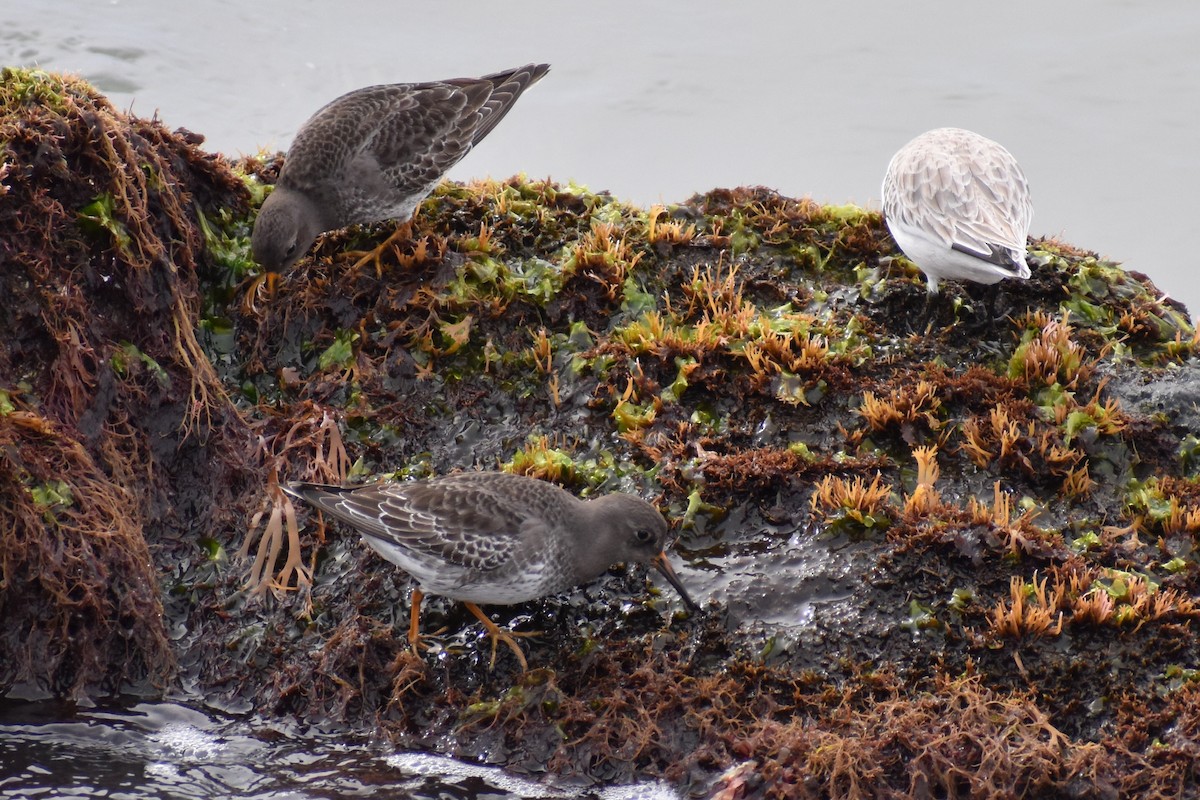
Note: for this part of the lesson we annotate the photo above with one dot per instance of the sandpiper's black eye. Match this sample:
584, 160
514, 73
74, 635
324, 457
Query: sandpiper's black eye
291, 250
643, 536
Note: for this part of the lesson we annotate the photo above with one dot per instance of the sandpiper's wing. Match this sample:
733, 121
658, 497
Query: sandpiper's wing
465, 526
397, 140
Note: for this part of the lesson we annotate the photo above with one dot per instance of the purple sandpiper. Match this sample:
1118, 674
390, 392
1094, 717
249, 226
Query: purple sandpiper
495, 538
375, 154
958, 205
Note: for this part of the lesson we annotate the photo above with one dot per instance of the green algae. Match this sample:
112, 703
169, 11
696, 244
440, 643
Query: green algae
32, 87
340, 354
52, 495
100, 215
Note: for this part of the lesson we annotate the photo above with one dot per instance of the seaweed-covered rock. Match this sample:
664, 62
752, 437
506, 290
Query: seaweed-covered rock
942, 551
107, 403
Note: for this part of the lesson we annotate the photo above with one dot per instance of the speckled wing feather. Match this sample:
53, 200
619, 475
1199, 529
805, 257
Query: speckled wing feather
396, 141
464, 526
968, 191
371, 143
506, 87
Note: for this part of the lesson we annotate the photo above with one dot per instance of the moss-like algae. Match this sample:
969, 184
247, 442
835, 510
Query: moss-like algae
745, 358
109, 397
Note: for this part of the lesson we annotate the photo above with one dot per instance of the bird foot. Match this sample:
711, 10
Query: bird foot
266, 282
373, 256
418, 642
498, 634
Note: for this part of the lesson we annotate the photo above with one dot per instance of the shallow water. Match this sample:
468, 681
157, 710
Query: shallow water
166, 750
1098, 99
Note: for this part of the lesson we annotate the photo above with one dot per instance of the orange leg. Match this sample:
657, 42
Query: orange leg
414, 618
402, 232
500, 635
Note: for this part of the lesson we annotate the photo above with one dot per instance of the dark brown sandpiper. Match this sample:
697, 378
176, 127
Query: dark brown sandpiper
495, 538
375, 154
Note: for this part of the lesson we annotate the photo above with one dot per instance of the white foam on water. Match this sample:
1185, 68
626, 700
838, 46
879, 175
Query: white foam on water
450, 769
164, 771
187, 742
445, 768
640, 791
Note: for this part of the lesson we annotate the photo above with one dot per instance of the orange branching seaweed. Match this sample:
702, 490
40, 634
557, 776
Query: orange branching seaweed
1121, 599
542, 352
903, 405
604, 254
866, 504
543, 459
674, 232
1050, 357
77, 582
329, 464
1019, 532
995, 440
1032, 612
282, 517
715, 292
1078, 483
775, 353
1180, 517
924, 498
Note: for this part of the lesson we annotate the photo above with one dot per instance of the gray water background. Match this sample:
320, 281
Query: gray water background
1098, 99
